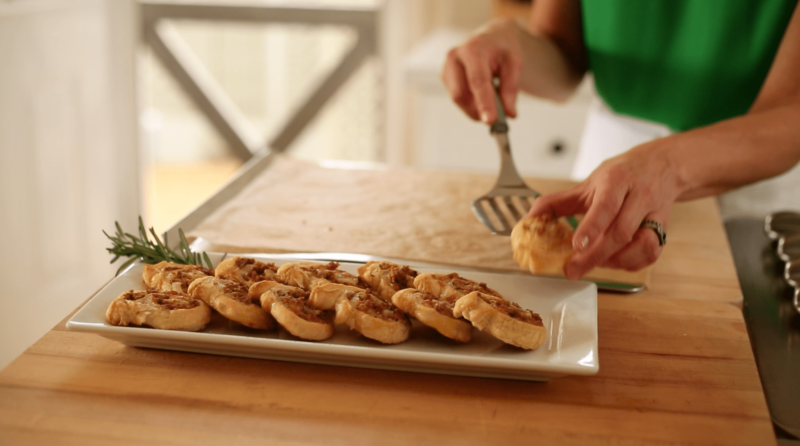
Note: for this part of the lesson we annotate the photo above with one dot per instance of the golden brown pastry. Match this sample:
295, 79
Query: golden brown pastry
373, 317
245, 270
290, 307
387, 278
168, 276
434, 312
166, 310
325, 296
504, 320
231, 300
308, 275
542, 244
450, 286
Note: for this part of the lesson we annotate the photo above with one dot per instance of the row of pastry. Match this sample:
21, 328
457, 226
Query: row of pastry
308, 299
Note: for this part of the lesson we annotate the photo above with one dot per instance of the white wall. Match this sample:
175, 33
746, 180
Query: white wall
68, 158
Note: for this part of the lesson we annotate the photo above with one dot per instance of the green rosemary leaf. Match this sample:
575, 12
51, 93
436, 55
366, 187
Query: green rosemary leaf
159, 246
184, 247
149, 251
125, 265
143, 232
131, 237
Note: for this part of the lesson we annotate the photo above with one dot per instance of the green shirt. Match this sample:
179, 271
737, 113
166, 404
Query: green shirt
682, 63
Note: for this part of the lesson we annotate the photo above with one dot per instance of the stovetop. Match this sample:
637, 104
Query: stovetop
772, 322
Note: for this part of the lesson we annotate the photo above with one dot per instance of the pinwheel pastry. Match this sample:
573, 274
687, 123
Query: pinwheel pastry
434, 312
168, 276
451, 286
245, 270
325, 296
363, 311
504, 320
166, 310
231, 299
387, 278
290, 307
308, 275
542, 244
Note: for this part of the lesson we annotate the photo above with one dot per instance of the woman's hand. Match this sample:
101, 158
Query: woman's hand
641, 184
547, 61
468, 70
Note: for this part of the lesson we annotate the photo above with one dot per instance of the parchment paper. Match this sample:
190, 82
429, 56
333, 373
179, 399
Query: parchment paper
413, 214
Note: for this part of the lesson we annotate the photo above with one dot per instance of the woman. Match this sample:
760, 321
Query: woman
723, 74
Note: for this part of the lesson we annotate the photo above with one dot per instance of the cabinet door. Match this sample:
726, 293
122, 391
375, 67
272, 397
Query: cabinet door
68, 159
544, 138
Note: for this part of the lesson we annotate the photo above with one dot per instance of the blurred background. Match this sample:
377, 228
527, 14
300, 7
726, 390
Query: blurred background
95, 128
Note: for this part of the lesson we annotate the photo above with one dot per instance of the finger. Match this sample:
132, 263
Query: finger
618, 235
641, 252
604, 206
479, 79
509, 75
455, 80
559, 204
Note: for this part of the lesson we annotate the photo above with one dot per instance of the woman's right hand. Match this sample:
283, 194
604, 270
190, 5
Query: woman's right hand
494, 50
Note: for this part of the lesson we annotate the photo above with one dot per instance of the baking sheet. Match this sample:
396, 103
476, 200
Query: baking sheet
412, 214
568, 310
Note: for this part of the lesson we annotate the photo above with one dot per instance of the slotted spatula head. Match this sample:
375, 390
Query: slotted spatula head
501, 208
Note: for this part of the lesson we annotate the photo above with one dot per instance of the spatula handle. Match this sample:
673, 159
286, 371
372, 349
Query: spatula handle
500, 125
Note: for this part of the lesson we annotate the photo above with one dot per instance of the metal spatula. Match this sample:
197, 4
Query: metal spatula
510, 198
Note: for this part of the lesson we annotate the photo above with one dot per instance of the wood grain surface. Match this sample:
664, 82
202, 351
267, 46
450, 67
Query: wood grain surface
671, 372
676, 368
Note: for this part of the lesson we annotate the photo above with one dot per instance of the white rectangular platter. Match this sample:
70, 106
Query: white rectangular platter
568, 310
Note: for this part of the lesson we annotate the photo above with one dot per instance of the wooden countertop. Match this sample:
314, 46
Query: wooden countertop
676, 367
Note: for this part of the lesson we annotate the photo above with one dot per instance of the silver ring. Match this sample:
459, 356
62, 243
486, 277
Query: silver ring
657, 228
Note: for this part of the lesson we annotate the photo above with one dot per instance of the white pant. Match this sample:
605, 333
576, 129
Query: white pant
608, 134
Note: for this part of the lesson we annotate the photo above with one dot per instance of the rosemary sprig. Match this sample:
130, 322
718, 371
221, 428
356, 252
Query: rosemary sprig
141, 247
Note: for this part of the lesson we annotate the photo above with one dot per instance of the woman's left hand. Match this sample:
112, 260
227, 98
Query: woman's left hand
641, 184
